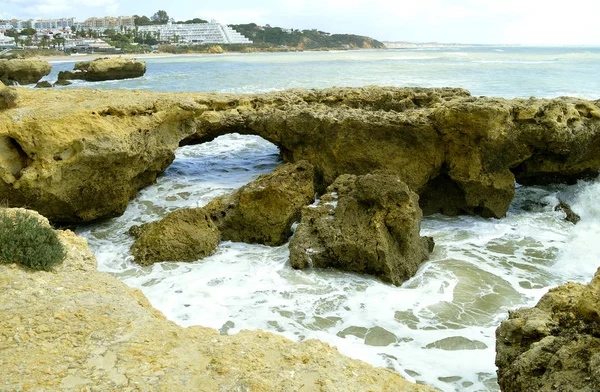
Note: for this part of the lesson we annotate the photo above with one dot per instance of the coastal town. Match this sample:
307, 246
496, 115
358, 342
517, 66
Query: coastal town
112, 34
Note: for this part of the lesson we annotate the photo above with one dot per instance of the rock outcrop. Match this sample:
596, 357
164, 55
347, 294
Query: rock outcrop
263, 211
105, 69
79, 329
184, 235
368, 224
461, 154
554, 346
8, 97
23, 71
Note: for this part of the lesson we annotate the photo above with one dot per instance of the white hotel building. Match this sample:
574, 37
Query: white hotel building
196, 33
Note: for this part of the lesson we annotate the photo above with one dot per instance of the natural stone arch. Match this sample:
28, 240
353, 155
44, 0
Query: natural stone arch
89, 158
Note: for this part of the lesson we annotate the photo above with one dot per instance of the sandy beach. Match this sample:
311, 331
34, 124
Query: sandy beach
87, 57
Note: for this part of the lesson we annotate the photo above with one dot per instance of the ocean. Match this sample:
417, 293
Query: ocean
438, 327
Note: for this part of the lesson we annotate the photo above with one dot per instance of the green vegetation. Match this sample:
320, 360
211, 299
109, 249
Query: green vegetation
305, 39
25, 241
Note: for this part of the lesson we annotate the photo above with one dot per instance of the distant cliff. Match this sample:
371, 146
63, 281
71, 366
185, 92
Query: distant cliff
305, 39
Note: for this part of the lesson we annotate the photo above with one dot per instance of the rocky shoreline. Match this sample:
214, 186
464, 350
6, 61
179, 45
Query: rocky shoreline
446, 151
75, 328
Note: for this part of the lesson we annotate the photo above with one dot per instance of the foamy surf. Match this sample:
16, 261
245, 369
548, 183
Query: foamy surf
437, 328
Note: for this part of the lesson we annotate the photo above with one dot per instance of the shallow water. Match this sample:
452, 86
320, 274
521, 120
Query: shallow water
437, 328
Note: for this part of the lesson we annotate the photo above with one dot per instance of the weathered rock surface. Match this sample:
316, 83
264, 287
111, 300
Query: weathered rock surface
461, 154
184, 235
368, 224
554, 346
79, 329
8, 97
23, 71
43, 84
263, 211
105, 69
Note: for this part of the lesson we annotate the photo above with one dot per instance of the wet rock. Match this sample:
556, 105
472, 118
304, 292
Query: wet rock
184, 235
23, 71
455, 343
43, 84
554, 346
367, 224
570, 215
62, 82
262, 212
379, 337
105, 69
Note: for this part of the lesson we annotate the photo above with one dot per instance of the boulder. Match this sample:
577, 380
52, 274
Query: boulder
554, 346
43, 84
8, 97
62, 82
262, 212
368, 224
77, 328
184, 235
23, 71
105, 69
570, 216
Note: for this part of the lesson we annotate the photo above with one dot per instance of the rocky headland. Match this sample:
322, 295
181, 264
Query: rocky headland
554, 346
97, 70
461, 154
23, 71
75, 328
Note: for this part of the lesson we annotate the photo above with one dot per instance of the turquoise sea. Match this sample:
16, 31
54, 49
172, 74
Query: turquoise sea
438, 328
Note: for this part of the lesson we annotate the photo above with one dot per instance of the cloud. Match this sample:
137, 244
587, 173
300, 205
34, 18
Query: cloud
60, 8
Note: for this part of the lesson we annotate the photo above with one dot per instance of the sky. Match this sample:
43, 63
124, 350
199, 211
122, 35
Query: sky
527, 22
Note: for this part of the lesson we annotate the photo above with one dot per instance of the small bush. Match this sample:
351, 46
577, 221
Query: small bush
25, 241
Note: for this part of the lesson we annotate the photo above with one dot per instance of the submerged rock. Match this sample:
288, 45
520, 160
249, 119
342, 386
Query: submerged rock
263, 211
23, 71
184, 235
461, 154
554, 346
368, 224
77, 328
570, 216
105, 69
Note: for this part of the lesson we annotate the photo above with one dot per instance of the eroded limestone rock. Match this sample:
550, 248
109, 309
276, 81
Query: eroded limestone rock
8, 97
23, 71
105, 69
368, 224
554, 346
461, 154
77, 328
263, 211
184, 235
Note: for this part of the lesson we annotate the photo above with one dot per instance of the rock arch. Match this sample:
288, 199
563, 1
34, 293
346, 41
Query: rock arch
113, 143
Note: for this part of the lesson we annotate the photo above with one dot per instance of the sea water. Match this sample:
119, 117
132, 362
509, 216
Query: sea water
438, 327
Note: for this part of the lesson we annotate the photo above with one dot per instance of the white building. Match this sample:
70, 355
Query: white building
52, 24
6, 42
196, 33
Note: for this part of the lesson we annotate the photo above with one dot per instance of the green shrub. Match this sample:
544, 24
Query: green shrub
25, 241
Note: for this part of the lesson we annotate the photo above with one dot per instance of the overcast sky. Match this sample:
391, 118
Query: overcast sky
462, 21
